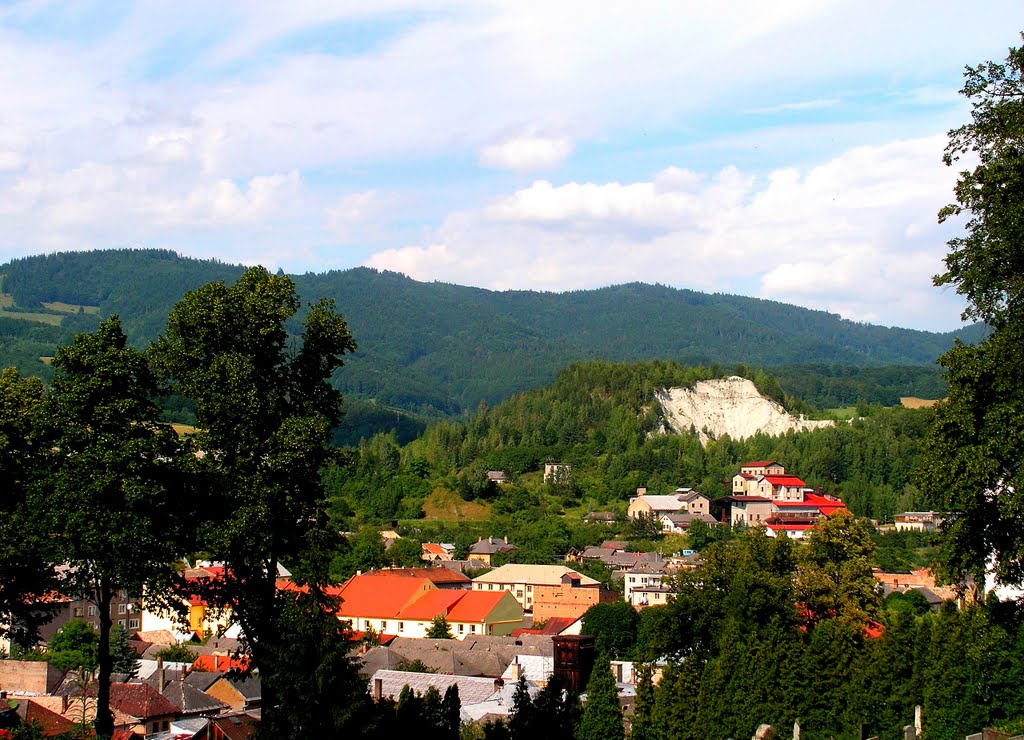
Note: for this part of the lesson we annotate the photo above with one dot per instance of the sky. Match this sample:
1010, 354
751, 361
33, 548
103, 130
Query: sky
790, 151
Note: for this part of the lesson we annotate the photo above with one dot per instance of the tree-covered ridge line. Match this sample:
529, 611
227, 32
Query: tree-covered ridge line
437, 350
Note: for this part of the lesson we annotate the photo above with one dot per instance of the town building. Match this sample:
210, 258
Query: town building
680, 501
558, 591
483, 551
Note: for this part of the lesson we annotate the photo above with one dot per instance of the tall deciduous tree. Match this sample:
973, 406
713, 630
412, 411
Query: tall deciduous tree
113, 491
25, 550
265, 407
974, 468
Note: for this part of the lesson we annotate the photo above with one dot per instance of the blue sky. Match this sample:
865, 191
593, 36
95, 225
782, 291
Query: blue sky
790, 151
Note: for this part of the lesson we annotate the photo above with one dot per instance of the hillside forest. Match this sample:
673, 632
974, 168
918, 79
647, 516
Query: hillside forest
430, 351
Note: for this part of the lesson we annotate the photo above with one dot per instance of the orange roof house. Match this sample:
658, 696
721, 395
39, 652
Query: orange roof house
406, 606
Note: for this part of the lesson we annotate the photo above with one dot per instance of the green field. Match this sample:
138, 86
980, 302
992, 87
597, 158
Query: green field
43, 318
70, 307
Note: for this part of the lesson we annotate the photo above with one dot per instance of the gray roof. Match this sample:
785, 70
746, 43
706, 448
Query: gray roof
472, 690
479, 655
190, 700
202, 680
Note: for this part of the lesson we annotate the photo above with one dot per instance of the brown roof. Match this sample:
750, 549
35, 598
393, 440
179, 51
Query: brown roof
434, 575
140, 700
239, 726
53, 724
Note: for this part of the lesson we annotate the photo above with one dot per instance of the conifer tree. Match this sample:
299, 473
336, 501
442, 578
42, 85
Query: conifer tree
642, 721
602, 713
439, 628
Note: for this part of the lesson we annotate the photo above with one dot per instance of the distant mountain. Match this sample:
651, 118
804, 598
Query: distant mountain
437, 349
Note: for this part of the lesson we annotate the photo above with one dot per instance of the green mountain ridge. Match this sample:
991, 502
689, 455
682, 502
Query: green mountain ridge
438, 349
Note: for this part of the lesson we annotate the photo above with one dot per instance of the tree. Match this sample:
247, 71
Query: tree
405, 553
25, 548
439, 629
124, 658
642, 721
834, 579
73, 646
974, 461
614, 625
177, 654
602, 714
265, 409
113, 487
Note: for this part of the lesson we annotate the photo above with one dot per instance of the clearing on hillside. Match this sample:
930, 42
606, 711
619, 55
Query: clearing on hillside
449, 506
70, 308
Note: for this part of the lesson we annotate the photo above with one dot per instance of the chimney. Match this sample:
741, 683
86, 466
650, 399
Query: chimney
378, 688
479, 539
498, 684
64, 704
490, 540
160, 683
516, 669
641, 492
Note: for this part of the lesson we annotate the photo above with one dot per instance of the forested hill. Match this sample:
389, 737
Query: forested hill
440, 349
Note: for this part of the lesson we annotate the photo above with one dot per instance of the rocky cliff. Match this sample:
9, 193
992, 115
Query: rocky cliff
730, 406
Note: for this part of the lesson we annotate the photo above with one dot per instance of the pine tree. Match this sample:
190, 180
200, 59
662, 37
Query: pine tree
642, 722
602, 713
439, 629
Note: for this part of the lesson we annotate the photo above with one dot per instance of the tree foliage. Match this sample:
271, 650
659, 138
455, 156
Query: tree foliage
265, 409
973, 469
111, 481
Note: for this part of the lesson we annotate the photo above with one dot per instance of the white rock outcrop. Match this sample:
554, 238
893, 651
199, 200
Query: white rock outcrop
730, 406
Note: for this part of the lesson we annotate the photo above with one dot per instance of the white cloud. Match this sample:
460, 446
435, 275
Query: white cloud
856, 235
525, 153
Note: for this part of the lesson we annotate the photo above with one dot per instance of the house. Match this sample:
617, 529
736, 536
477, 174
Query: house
437, 551
52, 723
233, 726
146, 710
680, 501
557, 472
29, 677
600, 517
923, 581
917, 521
645, 584
444, 578
558, 591
484, 550
498, 476
763, 494
241, 694
407, 605
680, 523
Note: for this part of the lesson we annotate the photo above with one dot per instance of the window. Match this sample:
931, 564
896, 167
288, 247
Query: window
122, 608
462, 628
133, 624
529, 588
472, 628
401, 626
92, 611
121, 622
490, 586
76, 611
383, 626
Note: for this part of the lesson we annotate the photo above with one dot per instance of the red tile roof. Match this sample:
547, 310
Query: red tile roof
53, 724
785, 480
379, 596
219, 663
434, 549
431, 604
476, 606
140, 700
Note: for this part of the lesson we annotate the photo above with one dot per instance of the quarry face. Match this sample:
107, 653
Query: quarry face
730, 406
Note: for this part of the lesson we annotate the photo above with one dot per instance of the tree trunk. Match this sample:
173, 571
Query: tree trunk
104, 717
